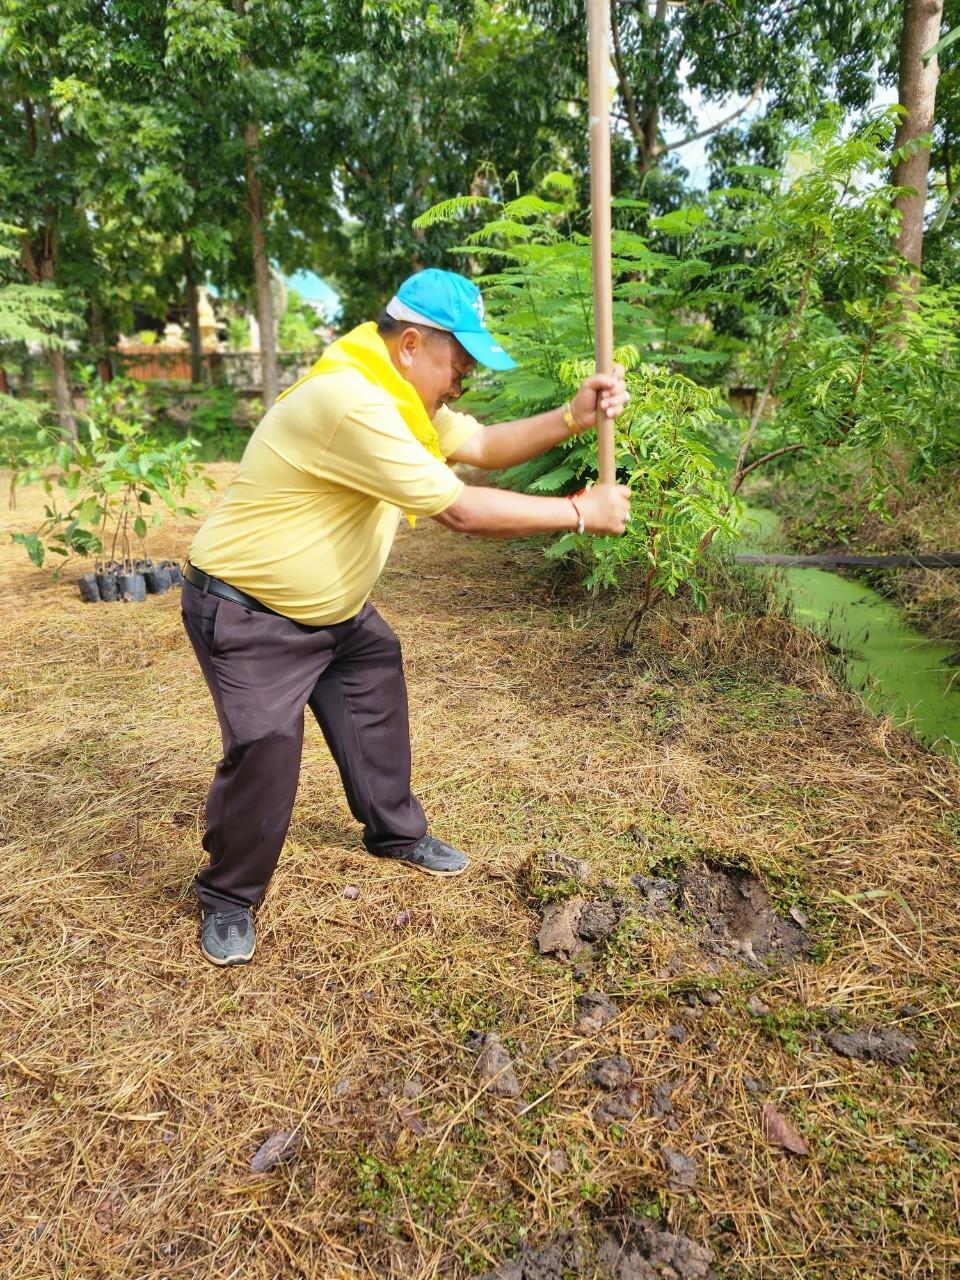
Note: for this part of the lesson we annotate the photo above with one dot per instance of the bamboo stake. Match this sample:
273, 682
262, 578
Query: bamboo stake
598, 27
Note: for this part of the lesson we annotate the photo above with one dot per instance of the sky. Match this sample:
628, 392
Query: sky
312, 288
694, 156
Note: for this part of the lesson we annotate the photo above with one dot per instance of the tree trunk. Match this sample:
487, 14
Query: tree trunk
217, 374
643, 117
62, 394
261, 262
917, 92
193, 314
40, 258
261, 269
626, 91
99, 334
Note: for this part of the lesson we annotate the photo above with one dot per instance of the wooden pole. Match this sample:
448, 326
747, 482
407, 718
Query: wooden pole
919, 560
598, 28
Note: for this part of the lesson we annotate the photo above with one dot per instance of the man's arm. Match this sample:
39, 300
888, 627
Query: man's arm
498, 513
507, 443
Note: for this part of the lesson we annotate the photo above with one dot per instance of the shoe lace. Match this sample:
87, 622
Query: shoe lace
237, 916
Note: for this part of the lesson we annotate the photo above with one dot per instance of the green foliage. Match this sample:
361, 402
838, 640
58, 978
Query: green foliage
106, 490
215, 418
238, 332
121, 150
432, 1187
784, 284
679, 492
541, 306
474, 94
792, 1026
19, 424
28, 314
215, 425
842, 364
296, 331
670, 60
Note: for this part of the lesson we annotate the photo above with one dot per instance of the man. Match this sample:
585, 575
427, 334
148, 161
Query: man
275, 600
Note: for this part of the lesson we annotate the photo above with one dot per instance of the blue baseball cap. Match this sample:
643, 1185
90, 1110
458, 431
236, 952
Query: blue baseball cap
444, 300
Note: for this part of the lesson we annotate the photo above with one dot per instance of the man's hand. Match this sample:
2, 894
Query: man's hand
605, 508
606, 392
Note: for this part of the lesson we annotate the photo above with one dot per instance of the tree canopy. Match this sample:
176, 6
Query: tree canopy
149, 146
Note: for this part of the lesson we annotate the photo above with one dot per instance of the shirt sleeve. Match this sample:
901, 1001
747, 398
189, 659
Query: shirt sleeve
373, 451
454, 428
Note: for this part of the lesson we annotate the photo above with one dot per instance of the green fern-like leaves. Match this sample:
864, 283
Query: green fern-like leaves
531, 207
450, 210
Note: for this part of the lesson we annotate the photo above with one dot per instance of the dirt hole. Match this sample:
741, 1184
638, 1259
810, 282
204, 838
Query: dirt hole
735, 914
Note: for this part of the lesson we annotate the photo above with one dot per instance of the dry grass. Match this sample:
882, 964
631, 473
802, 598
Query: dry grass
139, 1081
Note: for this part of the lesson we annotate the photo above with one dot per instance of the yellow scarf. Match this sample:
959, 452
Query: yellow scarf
365, 351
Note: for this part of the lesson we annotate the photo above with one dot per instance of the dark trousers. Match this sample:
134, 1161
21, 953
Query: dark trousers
262, 671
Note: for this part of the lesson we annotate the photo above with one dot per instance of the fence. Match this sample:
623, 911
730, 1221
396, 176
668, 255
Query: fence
240, 370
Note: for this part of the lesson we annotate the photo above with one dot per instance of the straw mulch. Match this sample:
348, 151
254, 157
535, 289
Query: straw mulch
139, 1081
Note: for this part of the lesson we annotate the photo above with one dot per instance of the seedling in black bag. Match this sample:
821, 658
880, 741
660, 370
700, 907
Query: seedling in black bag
157, 578
107, 582
115, 480
89, 591
132, 585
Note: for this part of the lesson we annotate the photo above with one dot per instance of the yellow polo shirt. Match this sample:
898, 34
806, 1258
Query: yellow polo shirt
308, 522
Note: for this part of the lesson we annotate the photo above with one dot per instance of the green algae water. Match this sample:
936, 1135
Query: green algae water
897, 671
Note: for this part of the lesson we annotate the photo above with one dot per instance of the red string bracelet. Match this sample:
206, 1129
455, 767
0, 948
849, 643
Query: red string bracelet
572, 499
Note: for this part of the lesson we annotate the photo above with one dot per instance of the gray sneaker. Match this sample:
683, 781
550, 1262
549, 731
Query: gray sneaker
229, 936
434, 857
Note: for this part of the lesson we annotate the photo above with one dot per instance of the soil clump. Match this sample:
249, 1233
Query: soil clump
873, 1044
610, 1073
681, 1170
575, 924
596, 1011
661, 1098
559, 933
636, 1250
622, 1105
556, 867
597, 920
279, 1148
495, 1068
657, 894
730, 907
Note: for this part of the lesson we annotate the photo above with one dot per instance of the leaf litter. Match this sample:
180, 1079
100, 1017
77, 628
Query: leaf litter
780, 1132
130, 1063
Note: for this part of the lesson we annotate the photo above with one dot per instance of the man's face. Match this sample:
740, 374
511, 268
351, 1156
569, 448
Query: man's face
435, 365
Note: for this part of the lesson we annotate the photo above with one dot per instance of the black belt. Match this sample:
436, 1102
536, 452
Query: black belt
217, 587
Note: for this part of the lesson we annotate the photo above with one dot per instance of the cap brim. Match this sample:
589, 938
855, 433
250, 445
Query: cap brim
485, 351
